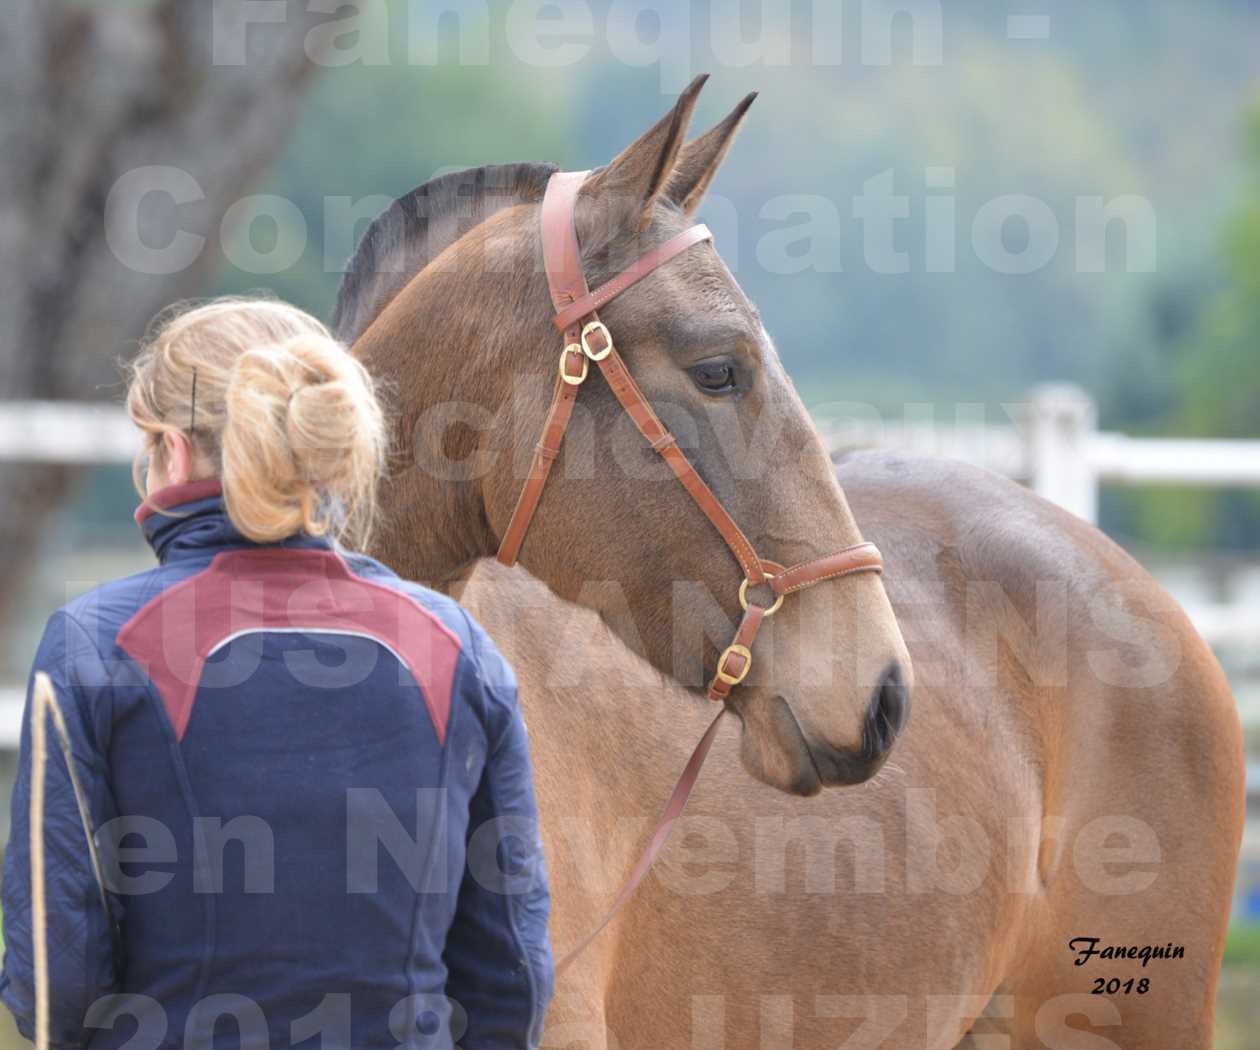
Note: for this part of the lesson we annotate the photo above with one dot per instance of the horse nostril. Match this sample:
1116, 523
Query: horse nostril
887, 713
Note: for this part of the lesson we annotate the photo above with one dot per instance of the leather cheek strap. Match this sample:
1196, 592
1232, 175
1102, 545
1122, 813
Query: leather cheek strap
664, 444
565, 281
545, 453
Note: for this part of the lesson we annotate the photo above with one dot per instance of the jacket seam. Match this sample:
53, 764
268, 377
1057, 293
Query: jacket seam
97, 762
101, 771
174, 753
517, 938
511, 900
417, 908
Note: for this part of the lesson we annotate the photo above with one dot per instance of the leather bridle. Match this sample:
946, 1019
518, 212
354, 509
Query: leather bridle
587, 339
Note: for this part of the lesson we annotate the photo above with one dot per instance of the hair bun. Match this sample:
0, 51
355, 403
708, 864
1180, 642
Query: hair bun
284, 412
303, 425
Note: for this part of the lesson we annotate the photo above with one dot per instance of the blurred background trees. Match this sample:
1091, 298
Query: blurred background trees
329, 117
1149, 101
94, 93
1214, 380
1220, 366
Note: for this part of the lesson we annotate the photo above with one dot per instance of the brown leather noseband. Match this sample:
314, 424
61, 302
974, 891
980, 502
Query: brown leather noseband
586, 339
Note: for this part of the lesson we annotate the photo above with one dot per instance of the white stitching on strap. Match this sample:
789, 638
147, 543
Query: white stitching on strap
850, 571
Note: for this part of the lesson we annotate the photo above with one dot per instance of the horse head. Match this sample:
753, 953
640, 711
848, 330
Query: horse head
447, 301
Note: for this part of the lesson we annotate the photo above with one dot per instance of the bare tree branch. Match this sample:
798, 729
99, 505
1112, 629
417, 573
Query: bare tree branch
89, 96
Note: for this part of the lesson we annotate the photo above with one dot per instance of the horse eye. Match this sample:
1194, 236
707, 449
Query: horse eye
714, 377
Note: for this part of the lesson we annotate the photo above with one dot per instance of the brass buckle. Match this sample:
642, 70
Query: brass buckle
738, 650
608, 340
573, 348
743, 598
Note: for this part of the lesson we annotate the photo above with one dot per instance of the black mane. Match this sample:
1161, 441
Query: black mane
417, 227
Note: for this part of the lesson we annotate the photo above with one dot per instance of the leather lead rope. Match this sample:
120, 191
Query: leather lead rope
673, 810
585, 339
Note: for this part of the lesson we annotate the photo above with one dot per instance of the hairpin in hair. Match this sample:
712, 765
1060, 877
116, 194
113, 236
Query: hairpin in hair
192, 411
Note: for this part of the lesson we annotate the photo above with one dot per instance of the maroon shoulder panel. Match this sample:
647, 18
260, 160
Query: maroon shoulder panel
284, 589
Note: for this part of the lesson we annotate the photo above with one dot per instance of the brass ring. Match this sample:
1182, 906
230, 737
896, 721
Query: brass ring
608, 340
743, 598
573, 348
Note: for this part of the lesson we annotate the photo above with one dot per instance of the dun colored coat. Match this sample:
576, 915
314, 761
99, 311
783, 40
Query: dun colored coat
1071, 777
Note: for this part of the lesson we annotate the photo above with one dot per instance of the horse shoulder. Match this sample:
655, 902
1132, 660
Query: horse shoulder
996, 550
1059, 636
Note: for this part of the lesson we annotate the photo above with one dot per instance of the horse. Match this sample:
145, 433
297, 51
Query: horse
1043, 852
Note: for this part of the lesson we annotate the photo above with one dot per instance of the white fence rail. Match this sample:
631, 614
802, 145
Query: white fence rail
1053, 444
83, 433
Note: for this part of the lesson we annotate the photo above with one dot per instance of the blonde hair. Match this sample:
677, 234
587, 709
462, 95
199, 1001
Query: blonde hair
283, 413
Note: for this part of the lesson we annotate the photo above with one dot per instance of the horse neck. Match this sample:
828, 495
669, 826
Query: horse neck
608, 733
452, 387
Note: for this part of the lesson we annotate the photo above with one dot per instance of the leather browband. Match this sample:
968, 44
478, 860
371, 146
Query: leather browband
654, 259
587, 339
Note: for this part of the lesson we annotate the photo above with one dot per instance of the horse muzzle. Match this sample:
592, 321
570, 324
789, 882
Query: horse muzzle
887, 713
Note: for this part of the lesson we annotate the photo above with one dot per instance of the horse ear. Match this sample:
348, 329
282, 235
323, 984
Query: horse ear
631, 184
699, 160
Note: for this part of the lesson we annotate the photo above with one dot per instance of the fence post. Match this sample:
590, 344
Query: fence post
1062, 419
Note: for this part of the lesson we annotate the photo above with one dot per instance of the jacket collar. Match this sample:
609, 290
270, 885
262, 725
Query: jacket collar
187, 520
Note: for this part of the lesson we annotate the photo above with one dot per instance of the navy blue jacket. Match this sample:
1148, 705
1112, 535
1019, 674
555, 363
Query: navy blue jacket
314, 806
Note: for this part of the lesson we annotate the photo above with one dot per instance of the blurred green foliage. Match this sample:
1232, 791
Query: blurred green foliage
1242, 946
1221, 373
1122, 100
1212, 385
